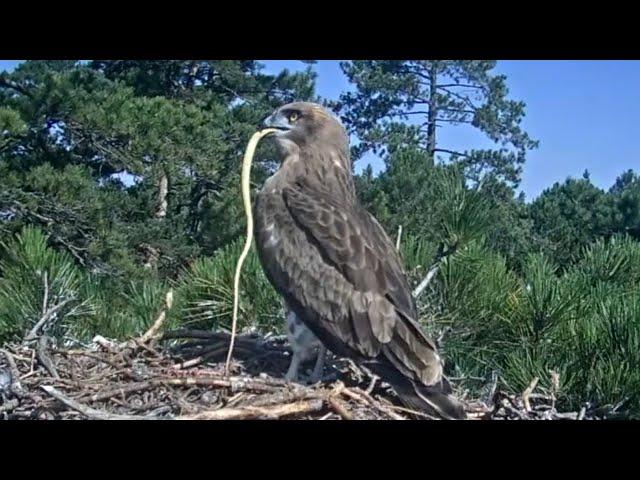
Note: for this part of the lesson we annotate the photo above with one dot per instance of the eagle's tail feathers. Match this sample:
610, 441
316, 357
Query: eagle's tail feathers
437, 400
433, 399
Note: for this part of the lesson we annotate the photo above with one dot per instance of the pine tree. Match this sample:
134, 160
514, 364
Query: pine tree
406, 102
133, 166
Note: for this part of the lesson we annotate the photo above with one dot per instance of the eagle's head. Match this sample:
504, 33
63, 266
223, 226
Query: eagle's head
306, 126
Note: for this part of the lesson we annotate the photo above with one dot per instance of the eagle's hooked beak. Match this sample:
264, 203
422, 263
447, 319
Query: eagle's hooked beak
278, 121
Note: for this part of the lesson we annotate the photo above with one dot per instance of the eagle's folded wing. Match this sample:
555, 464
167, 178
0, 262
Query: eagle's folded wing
382, 313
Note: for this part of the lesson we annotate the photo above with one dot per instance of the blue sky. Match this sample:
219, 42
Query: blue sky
584, 113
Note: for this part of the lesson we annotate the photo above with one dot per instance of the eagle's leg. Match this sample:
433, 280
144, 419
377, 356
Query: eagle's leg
303, 345
316, 375
293, 327
294, 366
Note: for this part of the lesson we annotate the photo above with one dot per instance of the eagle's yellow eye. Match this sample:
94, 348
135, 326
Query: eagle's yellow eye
293, 117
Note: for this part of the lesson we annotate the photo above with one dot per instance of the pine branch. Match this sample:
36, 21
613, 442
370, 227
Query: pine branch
440, 255
6, 83
452, 152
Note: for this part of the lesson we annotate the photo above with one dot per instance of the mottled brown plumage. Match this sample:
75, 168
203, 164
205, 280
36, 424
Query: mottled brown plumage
335, 266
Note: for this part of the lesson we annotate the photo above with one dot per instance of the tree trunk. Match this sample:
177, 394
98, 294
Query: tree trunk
163, 190
150, 255
193, 72
433, 112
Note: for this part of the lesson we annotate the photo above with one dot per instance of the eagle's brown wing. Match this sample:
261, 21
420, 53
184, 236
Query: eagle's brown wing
381, 310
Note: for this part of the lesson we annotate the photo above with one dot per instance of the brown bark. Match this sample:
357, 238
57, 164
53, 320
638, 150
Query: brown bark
163, 190
433, 112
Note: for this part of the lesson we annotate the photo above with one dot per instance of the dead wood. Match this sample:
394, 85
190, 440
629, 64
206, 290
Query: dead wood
143, 380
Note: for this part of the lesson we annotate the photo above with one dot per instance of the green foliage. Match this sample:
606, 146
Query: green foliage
85, 150
544, 303
178, 123
465, 215
626, 194
124, 311
404, 102
205, 293
475, 291
35, 280
569, 216
583, 324
615, 261
432, 202
10, 123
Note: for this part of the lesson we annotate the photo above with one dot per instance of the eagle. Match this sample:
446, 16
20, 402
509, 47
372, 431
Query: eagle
337, 270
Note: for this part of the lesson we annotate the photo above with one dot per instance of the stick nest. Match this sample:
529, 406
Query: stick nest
182, 376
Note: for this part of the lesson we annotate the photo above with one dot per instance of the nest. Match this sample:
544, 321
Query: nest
181, 376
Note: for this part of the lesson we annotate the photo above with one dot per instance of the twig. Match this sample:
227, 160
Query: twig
16, 386
236, 399
121, 390
139, 343
491, 391
45, 299
156, 412
9, 405
339, 407
33, 362
286, 396
235, 384
518, 413
555, 387
33, 333
266, 413
399, 237
88, 355
89, 412
364, 398
567, 415
356, 370
372, 385
527, 392
152, 333
425, 282
193, 362
106, 344
13, 367
440, 255
28, 374
43, 357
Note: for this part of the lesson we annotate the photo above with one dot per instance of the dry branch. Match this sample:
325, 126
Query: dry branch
118, 382
88, 412
527, 392
43, 356
340, 408
258, 413
153, 332
46, 316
